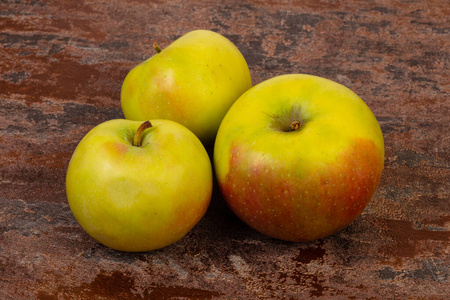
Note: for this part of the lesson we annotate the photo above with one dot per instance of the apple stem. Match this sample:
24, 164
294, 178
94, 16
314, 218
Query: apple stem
137, 142
156, 47
295, 125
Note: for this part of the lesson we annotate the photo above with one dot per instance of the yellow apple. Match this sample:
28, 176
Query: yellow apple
137, 186
298, 157
194, 81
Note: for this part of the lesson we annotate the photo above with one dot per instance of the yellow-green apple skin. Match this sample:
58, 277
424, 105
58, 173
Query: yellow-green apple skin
194, 81
142, 198
304, 184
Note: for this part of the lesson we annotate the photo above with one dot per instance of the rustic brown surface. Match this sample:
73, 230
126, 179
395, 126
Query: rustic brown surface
62, 66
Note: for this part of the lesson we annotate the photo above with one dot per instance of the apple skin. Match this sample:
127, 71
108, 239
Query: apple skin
139, 198
194, 81
307, 183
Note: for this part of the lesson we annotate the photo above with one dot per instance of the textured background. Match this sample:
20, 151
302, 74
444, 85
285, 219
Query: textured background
62, 66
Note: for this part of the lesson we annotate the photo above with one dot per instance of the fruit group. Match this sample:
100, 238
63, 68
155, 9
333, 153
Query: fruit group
193, 81
298, 157
134, 188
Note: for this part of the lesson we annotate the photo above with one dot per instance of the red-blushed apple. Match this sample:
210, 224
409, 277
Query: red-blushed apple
193, 81
298, 157
138, 186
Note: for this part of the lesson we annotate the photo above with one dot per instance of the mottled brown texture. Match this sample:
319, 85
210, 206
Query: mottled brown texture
62, 66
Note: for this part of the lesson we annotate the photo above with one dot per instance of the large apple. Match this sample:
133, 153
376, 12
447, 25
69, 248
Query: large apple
194, 81
298, 157
137, 187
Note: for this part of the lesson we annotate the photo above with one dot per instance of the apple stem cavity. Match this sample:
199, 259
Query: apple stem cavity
137, 142
295, 125
156, 47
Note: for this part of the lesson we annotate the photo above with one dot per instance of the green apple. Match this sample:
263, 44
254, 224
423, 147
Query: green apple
137, 187
298, 157
194, 81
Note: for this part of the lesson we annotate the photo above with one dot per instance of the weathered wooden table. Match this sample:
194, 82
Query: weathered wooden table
62, 66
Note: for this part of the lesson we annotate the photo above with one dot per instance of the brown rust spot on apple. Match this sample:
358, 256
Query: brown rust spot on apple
288, 205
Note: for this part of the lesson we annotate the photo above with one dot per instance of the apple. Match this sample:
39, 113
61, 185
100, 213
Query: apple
194, 81
298, 157
137, 186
